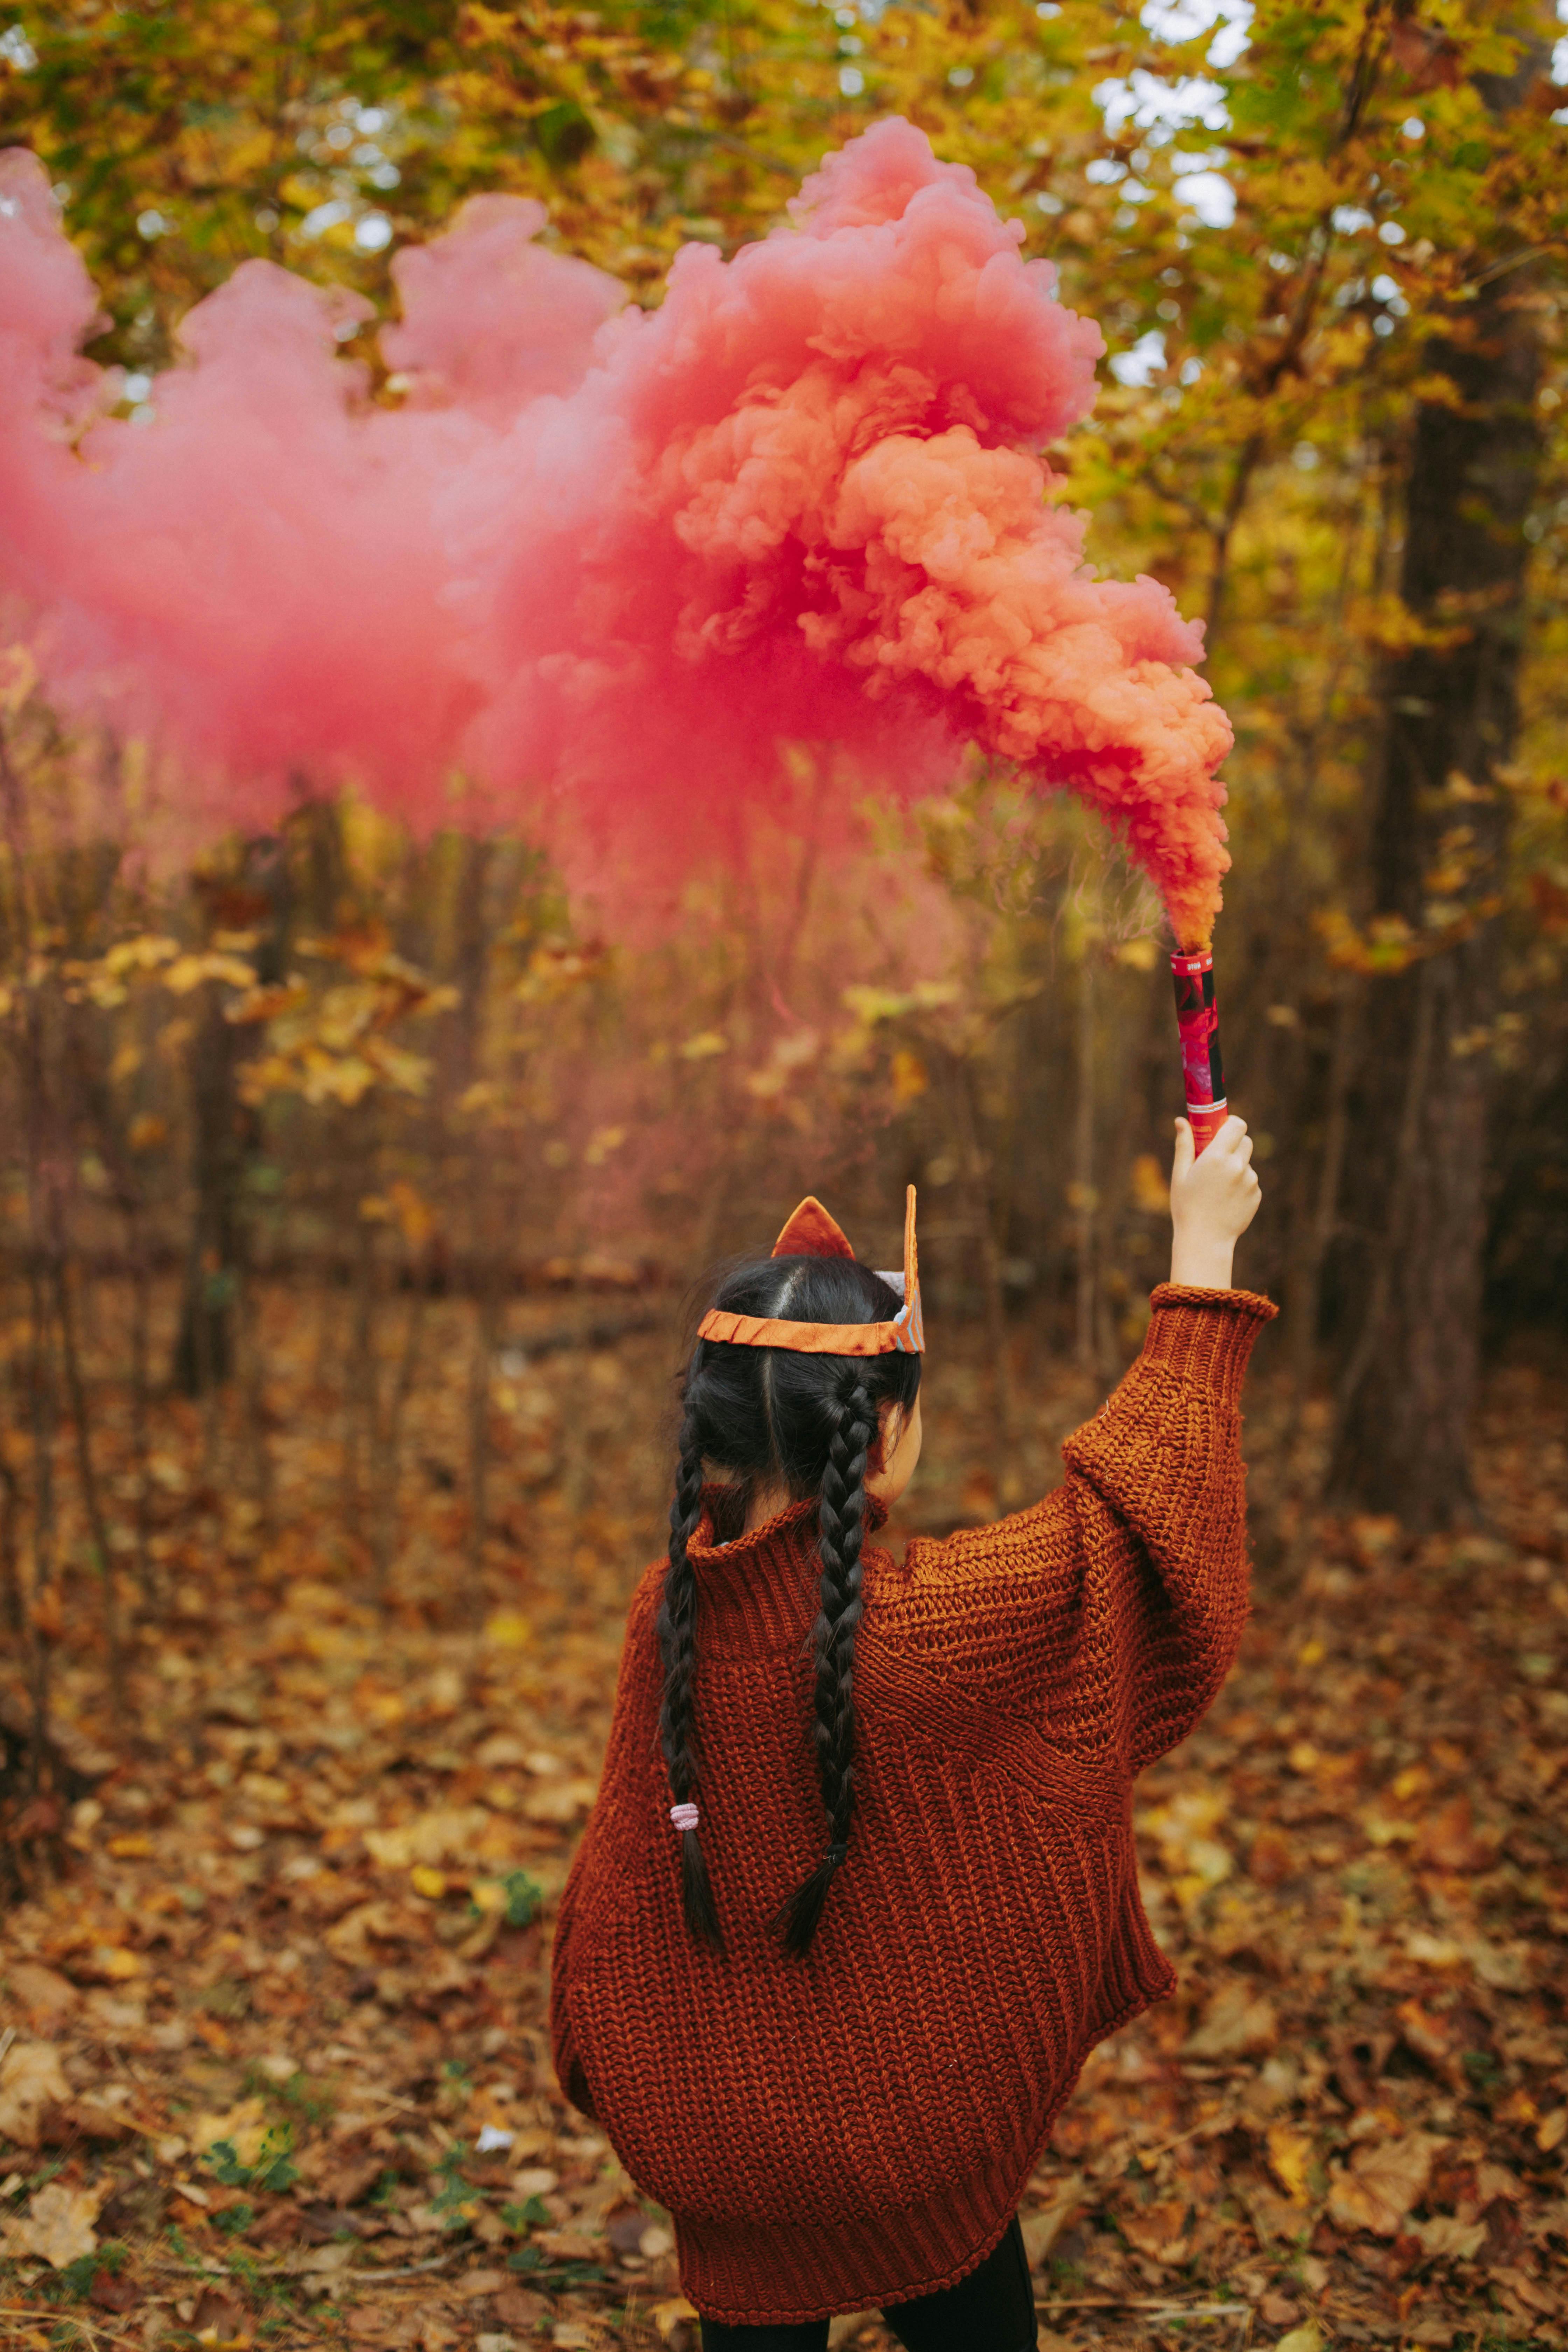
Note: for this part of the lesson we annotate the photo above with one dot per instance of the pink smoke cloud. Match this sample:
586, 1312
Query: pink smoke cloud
604, 562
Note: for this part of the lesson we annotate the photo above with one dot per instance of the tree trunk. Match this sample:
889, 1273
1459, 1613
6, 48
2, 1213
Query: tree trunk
227, 1137
1417, 1160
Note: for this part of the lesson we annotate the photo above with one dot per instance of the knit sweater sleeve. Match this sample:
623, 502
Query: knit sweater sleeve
568, 2065
1164, 1456
1111, 1612
593, 1857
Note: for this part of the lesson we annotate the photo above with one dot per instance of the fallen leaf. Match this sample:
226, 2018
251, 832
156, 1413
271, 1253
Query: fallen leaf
1158, 2231
1239, 2023
31, 2081
1041, 2229
1307, 2338
1272, 1858
1551, 2130
320, 2262
105, 1964
1448, 1839
476, 2282
560, 1800
112, 2293
846, 2326
82, 2120
1289, 2155
218, 2322
1384, 2179
351, 1939
1429, 2037
519, 2306
1449, 2240
47, 1997
57, 2224
243, 2126
667, 2315
570, 2245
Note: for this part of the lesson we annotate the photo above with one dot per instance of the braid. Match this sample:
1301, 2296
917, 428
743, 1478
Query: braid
842, 1513
676, 1640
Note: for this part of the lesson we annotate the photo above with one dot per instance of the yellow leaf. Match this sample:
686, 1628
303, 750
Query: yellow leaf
243, 2126
1551, 2130
415, 1217
909, 1075
431, 1883
113, 1964
1151, 1192
706, 1041
144, 953
1307, 2338
1289, 2155
505, 1630
667, 2315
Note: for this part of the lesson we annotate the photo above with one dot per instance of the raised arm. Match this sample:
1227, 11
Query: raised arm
1110, 1614
1160, 1464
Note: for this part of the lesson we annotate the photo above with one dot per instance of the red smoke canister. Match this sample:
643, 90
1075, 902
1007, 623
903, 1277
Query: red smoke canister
1199, 1021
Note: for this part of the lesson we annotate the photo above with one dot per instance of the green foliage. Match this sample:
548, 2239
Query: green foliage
527, 2215
524, 1898
73, 2283
273, 2171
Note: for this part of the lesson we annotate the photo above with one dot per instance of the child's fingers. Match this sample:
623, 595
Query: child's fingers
1183, 1159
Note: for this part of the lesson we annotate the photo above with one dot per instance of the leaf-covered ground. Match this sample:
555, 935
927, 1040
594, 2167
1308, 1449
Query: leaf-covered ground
276, 2069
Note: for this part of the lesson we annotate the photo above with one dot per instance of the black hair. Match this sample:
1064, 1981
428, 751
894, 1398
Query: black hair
809, 1423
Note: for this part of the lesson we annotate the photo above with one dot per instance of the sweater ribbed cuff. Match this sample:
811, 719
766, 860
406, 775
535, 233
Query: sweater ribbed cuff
1205, 1337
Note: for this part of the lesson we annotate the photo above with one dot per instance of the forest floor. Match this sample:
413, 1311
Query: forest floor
276, 2070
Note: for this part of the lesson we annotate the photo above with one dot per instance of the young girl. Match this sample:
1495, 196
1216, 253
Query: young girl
829, 2030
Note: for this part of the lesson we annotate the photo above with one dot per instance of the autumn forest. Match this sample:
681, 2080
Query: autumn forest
361, 1154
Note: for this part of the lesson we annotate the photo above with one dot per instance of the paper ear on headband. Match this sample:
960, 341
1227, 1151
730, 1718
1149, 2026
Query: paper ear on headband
812, 1233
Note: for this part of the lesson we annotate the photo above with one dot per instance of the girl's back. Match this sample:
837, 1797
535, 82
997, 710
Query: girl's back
851, 2120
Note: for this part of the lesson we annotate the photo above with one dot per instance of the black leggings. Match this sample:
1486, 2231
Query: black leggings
991, 2310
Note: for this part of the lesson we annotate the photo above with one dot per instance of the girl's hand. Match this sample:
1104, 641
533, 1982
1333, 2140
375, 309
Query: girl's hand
1214, 1199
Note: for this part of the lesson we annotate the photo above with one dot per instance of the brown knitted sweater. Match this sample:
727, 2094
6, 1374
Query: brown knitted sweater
854, 2127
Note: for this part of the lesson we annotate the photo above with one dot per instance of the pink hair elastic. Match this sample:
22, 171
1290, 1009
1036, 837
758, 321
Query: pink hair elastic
683, 1816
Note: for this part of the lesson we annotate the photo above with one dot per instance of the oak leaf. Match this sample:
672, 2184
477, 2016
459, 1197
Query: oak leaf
57, 2225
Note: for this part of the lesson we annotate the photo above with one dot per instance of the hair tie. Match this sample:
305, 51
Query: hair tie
683, 1816
837, 1853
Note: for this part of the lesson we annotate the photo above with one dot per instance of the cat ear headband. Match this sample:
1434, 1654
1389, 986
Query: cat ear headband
812, 1233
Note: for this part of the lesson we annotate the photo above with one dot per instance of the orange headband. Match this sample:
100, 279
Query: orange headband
812, 1233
